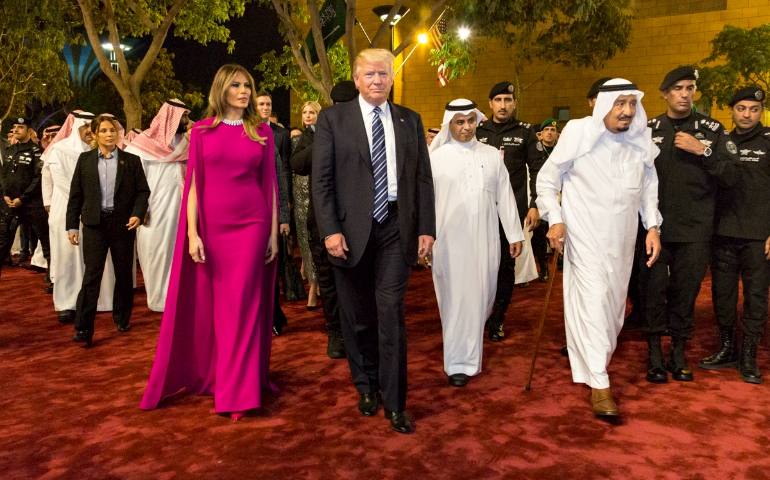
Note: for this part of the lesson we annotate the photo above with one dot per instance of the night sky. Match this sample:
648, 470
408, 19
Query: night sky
255, 33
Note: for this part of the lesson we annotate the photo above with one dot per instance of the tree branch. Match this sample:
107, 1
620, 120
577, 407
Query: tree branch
409, 38
350, 26
109, 14
385, 25
539, 78
158, 37
320, 47
93, 38
149, 25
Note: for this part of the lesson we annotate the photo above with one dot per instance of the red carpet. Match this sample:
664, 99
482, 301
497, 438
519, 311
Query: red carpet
73, 413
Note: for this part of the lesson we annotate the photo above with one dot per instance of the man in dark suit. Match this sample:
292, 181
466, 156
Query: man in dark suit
109, 195
372, 190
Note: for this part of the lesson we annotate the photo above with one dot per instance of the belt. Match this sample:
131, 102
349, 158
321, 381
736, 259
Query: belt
107, 213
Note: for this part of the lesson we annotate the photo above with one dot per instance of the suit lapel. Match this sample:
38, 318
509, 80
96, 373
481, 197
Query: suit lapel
399, 130
358, 130
121, 168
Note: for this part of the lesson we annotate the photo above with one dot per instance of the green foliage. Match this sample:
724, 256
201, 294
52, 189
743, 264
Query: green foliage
282, 71
159, 85
579, 33
32, 35
742, 57
458, 55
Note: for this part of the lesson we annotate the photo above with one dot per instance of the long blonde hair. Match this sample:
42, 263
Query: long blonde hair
95, 124
312, 104
218, 100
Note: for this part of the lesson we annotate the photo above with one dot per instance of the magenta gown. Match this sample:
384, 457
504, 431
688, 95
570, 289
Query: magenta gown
216, 332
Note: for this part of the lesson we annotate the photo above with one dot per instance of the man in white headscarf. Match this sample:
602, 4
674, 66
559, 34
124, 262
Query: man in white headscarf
472, 188
67, 265
163, 149
604, 167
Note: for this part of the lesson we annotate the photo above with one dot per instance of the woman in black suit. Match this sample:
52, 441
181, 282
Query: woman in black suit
109, 195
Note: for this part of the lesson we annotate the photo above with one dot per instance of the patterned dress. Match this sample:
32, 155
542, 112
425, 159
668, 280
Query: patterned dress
301, 202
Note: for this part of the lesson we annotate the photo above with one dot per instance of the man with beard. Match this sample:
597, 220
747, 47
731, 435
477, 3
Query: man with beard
517, 143
741, 243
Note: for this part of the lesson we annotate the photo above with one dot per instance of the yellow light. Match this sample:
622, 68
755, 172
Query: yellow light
422, 38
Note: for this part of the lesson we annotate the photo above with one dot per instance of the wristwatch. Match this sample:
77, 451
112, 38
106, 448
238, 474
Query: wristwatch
706, 152
656, 227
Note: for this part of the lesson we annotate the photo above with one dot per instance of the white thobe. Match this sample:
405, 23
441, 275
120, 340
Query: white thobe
67, 264
472, 189
155, 239
602, 192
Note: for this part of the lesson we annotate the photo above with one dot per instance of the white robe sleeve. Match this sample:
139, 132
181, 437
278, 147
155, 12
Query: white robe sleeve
46, 185
648, 208
506, 206
549, 180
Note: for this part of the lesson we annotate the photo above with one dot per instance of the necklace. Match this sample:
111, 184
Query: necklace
233, 123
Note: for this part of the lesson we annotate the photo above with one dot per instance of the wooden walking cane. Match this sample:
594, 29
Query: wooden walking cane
542, 317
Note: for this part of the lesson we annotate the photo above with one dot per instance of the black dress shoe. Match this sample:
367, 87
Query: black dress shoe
399, 422
369, 404
336, 346
565, 351
677, 364
657, 375
124, 328
83, 337
23, 256
543, 277
277, 330
67, 316
458, 380
48, 289
496, 333
47, 278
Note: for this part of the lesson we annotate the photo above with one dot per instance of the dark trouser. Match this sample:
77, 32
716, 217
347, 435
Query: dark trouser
37, 218
279, 318
735, 259
506, 279
114, 237
325, 275
27, 236
640, 261
371, 299
540, 243
670, 300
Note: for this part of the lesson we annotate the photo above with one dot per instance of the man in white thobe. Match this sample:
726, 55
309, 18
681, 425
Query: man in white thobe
604, 167
67, 265
163, 149
472, 189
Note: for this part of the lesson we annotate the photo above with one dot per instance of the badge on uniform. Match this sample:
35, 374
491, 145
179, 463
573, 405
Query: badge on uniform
657, 140
539, 146
731, 147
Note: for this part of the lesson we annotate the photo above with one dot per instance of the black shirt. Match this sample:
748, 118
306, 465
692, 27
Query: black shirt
22, 167
688, 183
744, 210
520, 146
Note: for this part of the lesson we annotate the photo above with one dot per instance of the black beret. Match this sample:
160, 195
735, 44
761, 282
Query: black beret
593, 92
434, 131
344, 91
755, 94
502, 88
22, 121
677, 74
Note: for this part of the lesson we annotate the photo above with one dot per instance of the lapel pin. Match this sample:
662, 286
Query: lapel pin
122, 162
401, 119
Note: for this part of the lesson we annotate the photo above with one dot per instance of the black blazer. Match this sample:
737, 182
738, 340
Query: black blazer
282, 141
343, 181
131, 190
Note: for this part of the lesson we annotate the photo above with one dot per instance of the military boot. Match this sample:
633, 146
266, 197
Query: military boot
677, 363
726, 356
543, 277
747, 366
656, 364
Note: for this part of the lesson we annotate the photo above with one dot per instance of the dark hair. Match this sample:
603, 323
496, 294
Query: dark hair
263, 93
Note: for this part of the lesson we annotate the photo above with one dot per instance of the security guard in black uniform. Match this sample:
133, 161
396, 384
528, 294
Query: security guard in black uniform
549, 135
518, 142
696, 157
741, 243
22, 166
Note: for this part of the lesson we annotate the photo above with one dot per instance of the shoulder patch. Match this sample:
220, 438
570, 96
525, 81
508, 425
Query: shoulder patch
525, 125
731, 147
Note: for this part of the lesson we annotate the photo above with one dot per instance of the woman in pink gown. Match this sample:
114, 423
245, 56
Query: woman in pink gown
215, 335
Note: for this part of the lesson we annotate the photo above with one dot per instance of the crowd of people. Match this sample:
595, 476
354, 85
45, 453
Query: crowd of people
633, 207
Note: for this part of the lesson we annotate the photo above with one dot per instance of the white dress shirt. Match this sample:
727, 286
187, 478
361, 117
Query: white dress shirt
367, 110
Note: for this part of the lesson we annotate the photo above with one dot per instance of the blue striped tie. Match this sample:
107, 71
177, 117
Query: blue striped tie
379, 165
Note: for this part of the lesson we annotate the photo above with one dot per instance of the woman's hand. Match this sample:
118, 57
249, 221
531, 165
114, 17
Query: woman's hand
196, 249
272, 249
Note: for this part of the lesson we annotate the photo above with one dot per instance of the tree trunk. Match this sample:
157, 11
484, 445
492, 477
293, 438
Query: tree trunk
132, 107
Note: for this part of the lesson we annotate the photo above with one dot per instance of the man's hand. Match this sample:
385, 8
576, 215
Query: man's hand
48, 209
7, 201
146, 218
767, 248
425, 245
557, 237
688, 143
653, 246
74, 238
15, 203
284, 228
133, 222
532, 220
336, 246
515, 249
